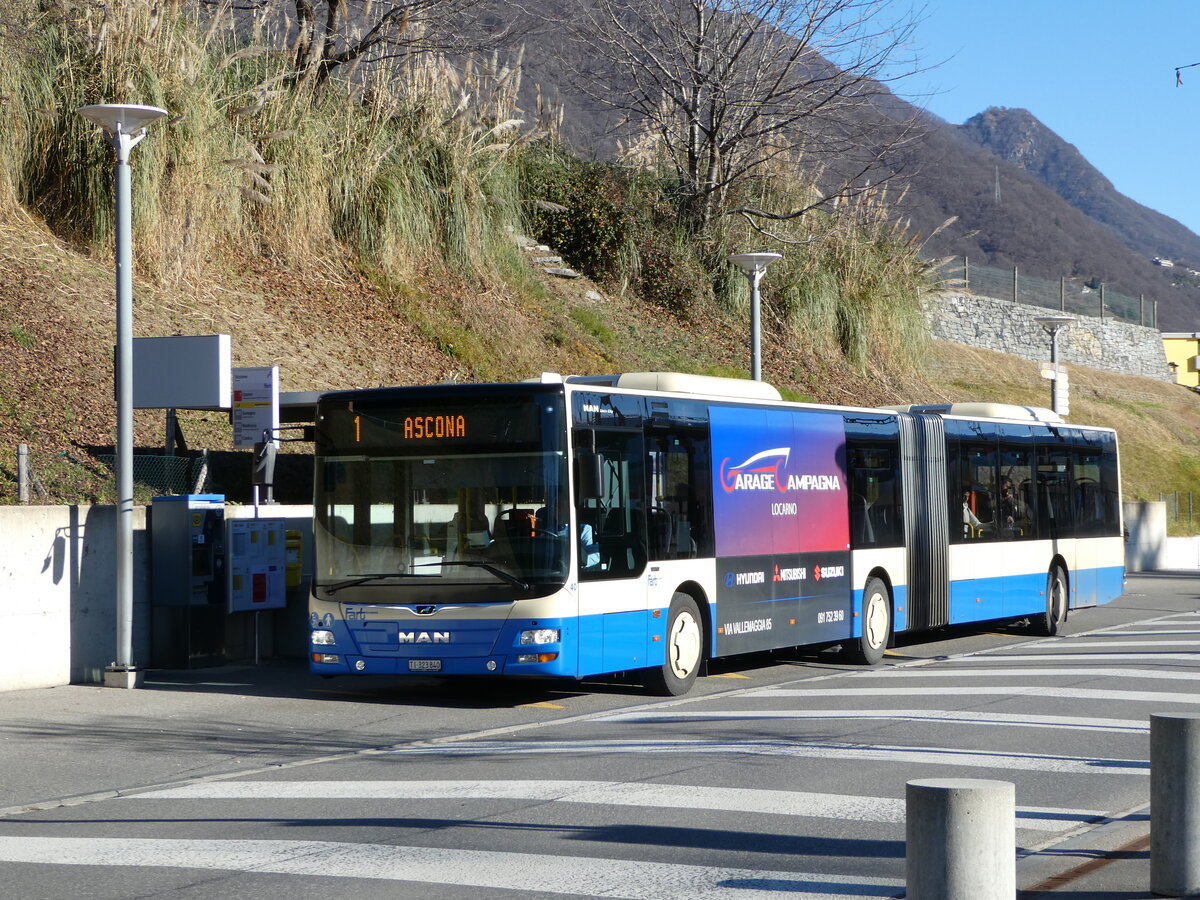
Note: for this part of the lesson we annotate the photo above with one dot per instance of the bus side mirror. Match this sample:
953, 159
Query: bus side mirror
589, 478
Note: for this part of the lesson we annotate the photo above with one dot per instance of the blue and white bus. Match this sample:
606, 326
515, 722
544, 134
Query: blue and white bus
583, 526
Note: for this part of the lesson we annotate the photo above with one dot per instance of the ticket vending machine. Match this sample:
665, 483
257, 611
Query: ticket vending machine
187, 535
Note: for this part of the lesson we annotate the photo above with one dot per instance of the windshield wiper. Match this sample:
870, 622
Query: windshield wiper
367, 579
480, 564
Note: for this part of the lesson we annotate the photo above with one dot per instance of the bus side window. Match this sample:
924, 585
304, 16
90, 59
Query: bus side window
875, 497
977, 483
679, 490
617, 513
1054, 501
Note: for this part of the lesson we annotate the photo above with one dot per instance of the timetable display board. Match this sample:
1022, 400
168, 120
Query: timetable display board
257, 564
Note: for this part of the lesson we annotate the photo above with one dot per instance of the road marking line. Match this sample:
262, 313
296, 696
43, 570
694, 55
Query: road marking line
1114, 658
488, 869
1033, 690
1175, 629
943, 756
804, 804
1185, 642
1021, 720
1000, 672
541, 704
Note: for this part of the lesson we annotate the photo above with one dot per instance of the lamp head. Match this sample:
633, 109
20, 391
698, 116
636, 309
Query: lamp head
1054, 323
124, 124
121, 118
752, 262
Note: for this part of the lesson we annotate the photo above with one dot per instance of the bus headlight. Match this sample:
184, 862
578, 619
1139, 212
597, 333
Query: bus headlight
541, 636
323, 637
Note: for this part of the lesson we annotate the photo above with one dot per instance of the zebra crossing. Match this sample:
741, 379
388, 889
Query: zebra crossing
758, 792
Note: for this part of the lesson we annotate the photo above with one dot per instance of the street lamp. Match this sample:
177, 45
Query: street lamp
1055, 324
754, 265
124, 126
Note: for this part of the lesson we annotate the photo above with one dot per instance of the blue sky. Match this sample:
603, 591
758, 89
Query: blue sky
1100, 73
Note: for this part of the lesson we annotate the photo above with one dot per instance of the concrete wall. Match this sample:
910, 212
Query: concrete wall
1010, 328
1146, 546
58, 595
1182, 553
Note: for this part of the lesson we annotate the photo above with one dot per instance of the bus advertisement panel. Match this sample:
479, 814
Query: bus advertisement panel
781, 527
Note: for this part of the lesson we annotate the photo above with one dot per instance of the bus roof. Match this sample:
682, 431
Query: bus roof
680, 383
985, 411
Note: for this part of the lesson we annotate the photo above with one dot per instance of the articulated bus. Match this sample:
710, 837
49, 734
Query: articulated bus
585, 526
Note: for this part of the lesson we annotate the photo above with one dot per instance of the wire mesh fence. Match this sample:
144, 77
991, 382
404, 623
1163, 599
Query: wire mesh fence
1183, 510
77, 477
1064, 294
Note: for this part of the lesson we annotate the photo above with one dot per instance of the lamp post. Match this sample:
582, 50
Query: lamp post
1055, 324
124, 125
753, 265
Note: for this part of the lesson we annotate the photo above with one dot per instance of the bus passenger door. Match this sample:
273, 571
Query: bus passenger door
613, 615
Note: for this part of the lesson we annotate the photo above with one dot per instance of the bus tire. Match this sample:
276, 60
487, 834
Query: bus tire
869, 648
684, 649
1050, 622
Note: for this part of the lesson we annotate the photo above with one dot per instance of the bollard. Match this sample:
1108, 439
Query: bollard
960, 838
1175, 805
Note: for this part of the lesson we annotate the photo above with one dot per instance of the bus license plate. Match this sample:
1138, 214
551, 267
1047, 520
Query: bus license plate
424, 665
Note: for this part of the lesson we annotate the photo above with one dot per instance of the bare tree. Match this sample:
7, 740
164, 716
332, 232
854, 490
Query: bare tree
728, 88
328, 35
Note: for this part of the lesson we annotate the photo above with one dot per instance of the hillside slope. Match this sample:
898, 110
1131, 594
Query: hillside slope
332, 327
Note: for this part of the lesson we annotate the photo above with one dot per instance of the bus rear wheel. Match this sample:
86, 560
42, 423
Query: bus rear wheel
868, 649
685, 649
1050, 622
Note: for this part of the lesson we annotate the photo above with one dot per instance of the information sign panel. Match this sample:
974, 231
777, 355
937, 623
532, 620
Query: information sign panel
255, 404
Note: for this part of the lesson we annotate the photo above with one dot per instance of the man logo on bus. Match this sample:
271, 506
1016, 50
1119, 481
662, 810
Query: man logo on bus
761, 472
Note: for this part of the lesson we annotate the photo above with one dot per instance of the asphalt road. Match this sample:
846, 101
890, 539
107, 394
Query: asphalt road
779, 776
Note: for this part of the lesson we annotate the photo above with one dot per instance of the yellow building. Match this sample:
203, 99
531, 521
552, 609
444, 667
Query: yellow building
1183, 356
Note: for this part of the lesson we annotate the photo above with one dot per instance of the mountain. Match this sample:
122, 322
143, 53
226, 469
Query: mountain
1017, 136
1025, 197
1056, 216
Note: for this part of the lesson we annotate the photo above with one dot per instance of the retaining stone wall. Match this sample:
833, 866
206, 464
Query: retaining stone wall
1009, 327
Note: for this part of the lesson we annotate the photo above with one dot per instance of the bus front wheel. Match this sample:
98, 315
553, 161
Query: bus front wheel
1050, 622
868, 649
685, 649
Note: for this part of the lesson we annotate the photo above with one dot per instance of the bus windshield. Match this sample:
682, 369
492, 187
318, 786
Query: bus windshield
424, 497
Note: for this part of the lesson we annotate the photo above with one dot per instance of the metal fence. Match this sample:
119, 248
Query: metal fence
1183, 509
73, 476
1065, 294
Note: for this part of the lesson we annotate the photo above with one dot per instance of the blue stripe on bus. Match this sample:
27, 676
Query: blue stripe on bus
621, 641
1012, 596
